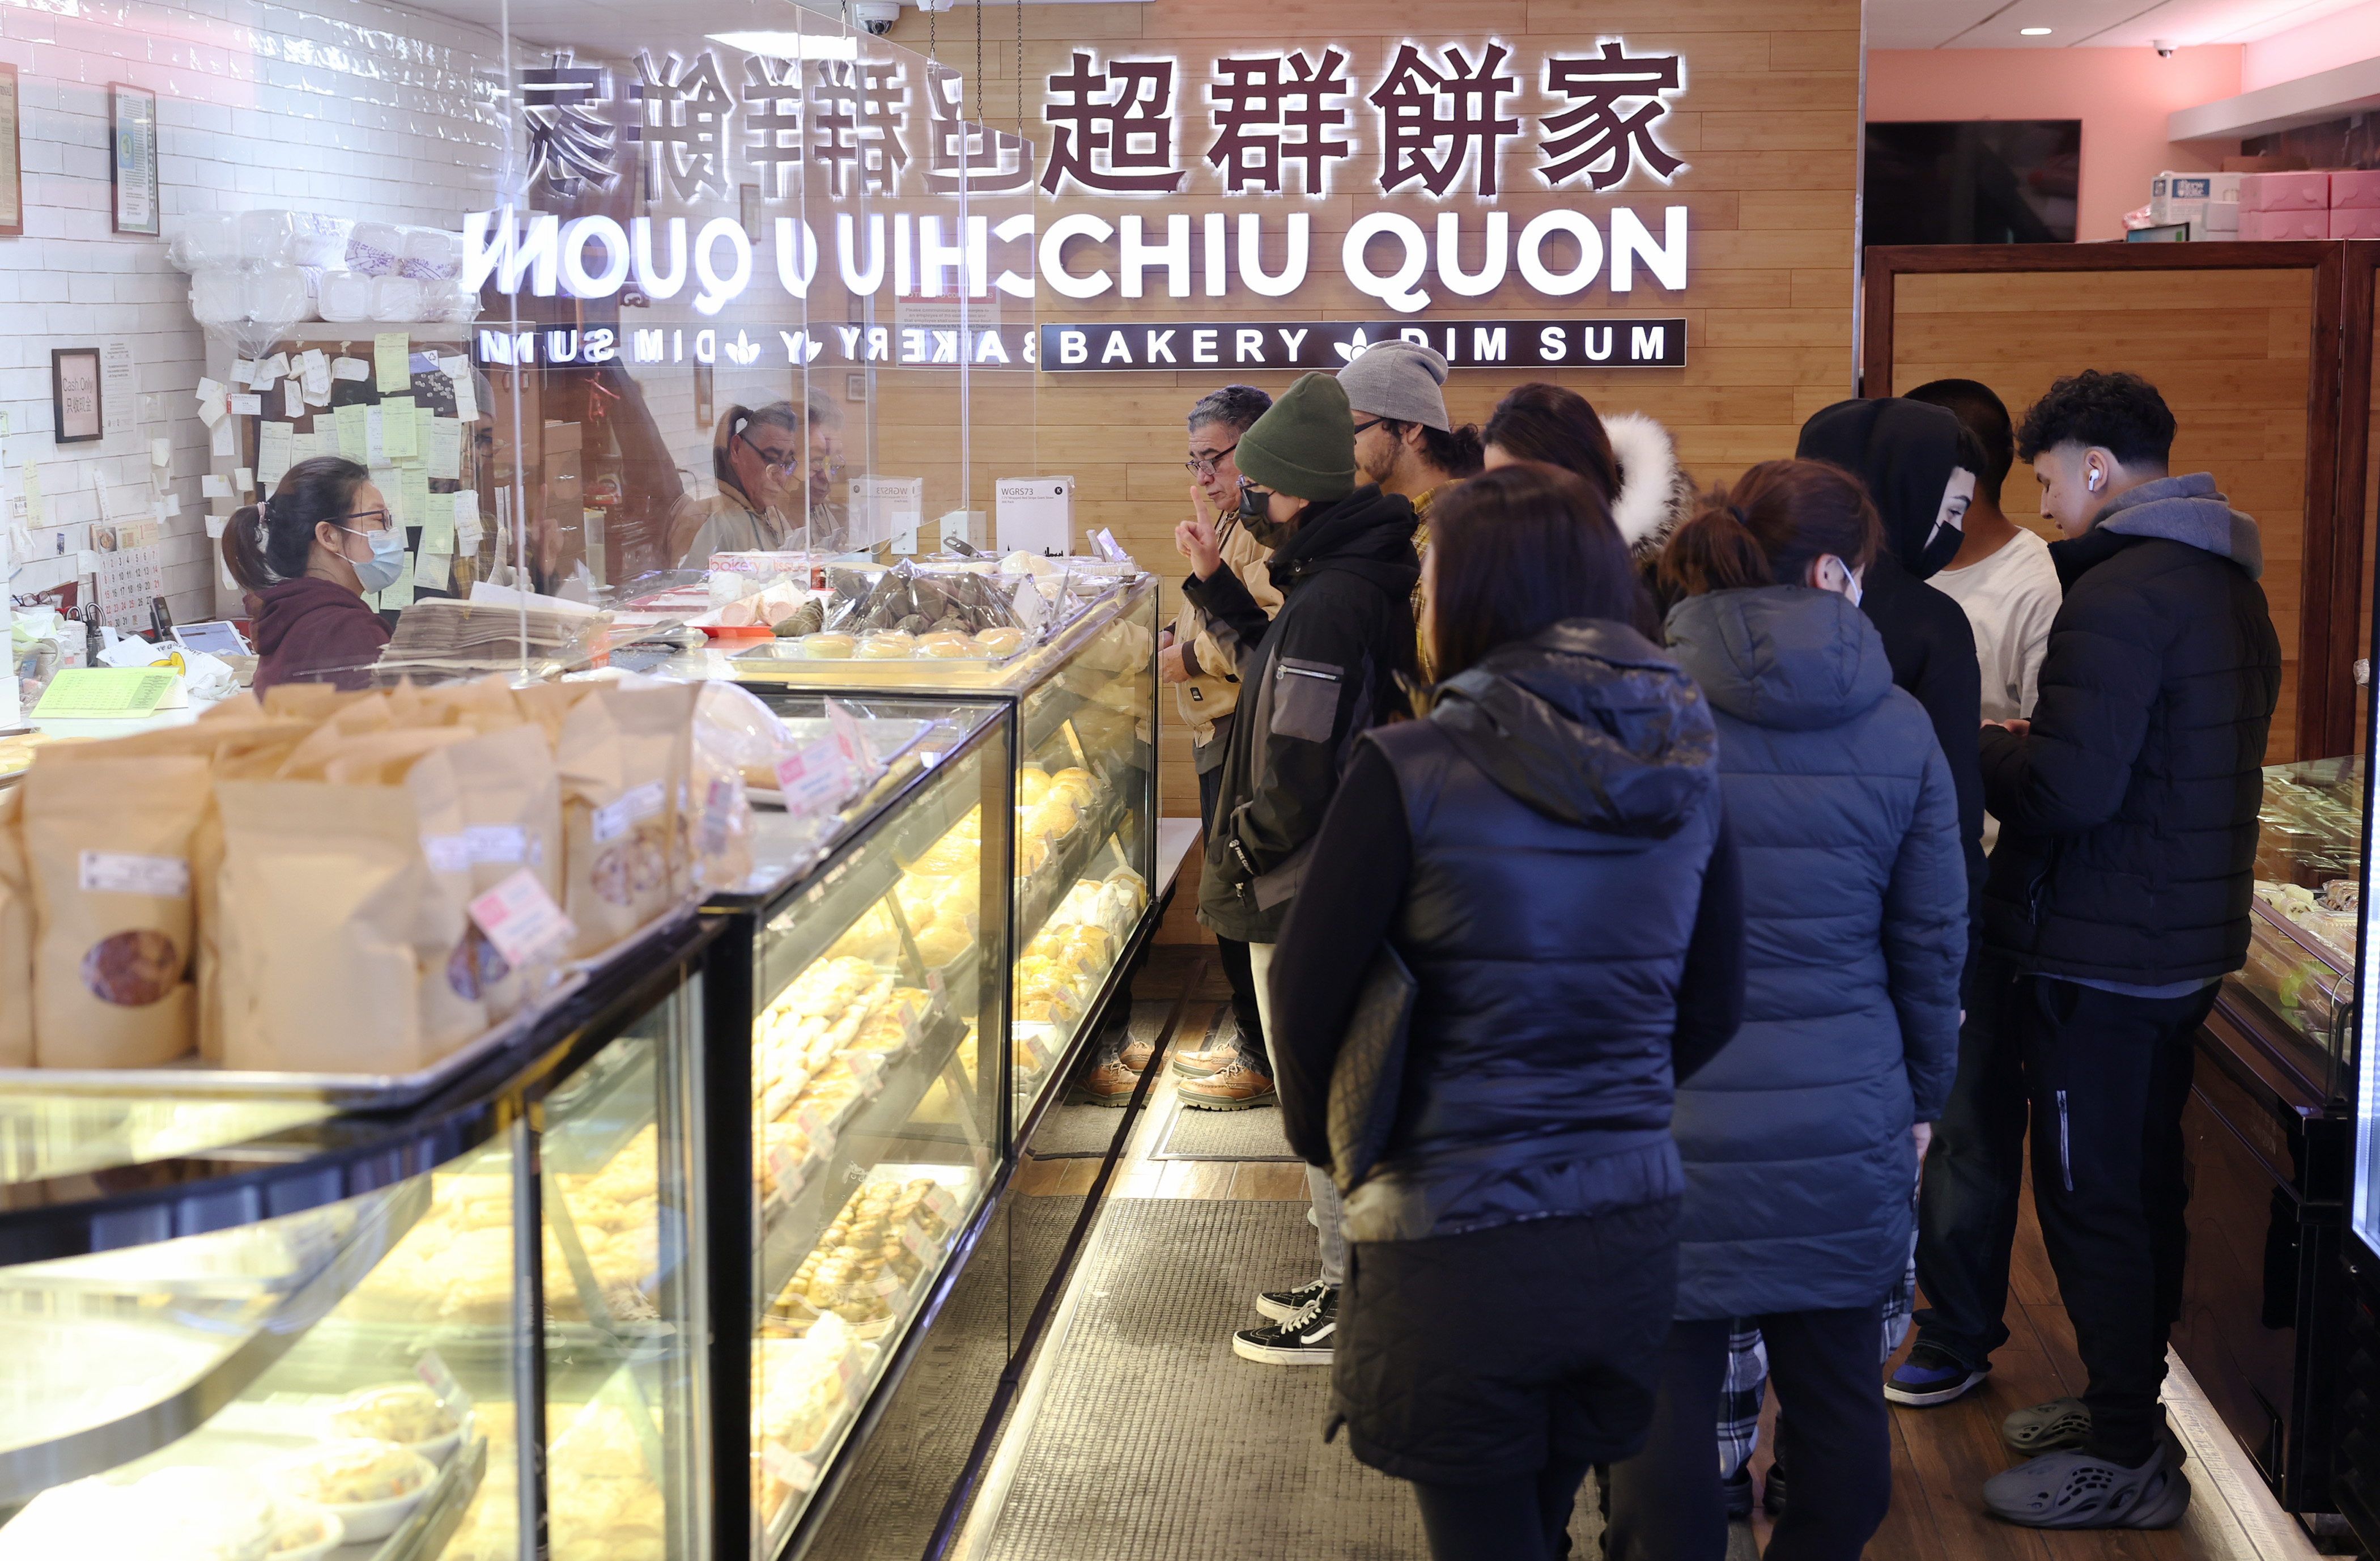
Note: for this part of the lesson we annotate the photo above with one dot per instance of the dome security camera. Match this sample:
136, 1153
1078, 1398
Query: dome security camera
876, 16
2165, 47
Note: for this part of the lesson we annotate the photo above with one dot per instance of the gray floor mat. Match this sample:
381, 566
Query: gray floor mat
1252, 1134
1154, 1443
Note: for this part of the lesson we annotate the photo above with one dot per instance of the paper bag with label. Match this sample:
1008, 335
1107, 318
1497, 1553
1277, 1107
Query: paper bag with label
234, 737
107, 842
624, 761
489, 808
336, 936
16, 940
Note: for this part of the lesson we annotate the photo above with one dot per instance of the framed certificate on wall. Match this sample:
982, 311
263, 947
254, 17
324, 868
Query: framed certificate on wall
133, 113
12, 166
75, 408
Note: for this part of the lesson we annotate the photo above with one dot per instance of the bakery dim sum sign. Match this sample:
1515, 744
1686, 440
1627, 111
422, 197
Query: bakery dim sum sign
820, 147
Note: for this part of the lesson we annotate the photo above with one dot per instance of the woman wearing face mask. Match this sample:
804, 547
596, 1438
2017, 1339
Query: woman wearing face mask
1801, 1138
308, 556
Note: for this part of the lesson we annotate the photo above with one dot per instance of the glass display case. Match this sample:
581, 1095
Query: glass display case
2267, 1129
463, 1330
1084, 805
2301, 969
867, 980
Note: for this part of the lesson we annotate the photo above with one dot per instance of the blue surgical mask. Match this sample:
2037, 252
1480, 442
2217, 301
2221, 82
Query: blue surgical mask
387, 561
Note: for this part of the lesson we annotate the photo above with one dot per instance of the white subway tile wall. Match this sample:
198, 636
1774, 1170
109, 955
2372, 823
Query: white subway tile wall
377, 112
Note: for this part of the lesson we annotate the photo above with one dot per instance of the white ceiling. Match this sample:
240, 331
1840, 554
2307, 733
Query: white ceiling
1994, 24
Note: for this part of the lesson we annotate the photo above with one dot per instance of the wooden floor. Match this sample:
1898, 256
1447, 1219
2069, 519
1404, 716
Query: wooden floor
1941, 1456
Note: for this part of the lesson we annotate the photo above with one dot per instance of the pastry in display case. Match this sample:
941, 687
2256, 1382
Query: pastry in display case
871, 1143
2300, 966
345, 1380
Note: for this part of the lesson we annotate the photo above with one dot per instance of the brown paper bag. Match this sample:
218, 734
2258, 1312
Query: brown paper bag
624, 758
108, 844
337, 934
15, 939
489, 808
235, 741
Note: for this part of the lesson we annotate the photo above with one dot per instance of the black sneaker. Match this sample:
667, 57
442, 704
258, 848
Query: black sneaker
1772, 1492
1931, 1376
1282, 1305
1304, 1340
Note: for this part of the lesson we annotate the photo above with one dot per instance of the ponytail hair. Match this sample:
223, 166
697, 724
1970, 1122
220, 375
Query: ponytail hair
1778, 518
269, 541
1459, 454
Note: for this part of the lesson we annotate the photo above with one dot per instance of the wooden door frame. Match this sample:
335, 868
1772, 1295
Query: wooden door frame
2332, 564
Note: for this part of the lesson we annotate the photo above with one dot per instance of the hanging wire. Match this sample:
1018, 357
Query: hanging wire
933, 16
978, 62
1020, 79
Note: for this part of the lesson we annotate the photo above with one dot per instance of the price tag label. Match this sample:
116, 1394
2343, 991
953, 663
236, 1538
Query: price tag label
788, 1469
940, 1204
815, 779
436, 1376
787, 1169
914, 1240
129, 873
851, 737
522, 920
617, 817
718, 812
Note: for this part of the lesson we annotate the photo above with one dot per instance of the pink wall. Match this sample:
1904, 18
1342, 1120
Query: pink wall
2121, 96
2341, 38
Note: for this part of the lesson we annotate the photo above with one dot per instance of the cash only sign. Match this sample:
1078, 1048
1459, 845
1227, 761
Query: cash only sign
821, 200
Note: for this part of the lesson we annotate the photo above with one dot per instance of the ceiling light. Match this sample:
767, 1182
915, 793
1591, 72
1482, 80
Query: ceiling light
2032, 32
791, 45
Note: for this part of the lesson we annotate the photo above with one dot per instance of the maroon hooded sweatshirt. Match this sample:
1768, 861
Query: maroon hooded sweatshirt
309, 626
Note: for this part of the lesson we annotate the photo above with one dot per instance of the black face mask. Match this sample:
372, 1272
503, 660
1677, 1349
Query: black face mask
1255, 517
1940, 548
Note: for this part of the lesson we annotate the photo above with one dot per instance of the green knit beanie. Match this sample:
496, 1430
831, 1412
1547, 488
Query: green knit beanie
1304, 446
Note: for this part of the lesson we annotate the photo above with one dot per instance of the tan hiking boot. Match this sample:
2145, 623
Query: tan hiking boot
1110, 1083
1135, 1054
1198, 1065
1234, 1087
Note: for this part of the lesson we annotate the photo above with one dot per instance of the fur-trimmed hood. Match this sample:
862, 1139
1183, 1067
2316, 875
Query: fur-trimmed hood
1655, 497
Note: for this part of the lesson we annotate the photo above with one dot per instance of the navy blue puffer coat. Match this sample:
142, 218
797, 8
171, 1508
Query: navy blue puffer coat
1795, 1137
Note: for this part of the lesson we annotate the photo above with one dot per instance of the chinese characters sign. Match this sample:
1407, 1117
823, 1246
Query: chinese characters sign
1436, 121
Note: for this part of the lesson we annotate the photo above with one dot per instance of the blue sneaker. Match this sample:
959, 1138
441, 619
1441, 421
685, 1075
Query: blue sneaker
1929, 1376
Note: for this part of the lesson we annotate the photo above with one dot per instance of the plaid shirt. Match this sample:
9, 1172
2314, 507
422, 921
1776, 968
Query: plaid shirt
1746, 1384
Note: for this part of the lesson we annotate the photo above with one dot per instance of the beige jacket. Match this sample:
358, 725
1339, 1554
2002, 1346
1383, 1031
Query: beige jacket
1215, 692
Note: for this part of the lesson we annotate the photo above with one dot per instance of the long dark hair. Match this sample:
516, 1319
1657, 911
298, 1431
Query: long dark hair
1515, 550
1778, 518
269, 542
1544, 423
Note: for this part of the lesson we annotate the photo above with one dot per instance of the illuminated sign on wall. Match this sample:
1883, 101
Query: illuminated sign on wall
1334, 344
835, 138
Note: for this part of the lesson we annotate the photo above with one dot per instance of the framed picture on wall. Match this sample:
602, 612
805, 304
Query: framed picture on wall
12, 164
75, 395
133, 167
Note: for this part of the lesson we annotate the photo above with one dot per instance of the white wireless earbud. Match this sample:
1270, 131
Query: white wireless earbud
2093, 482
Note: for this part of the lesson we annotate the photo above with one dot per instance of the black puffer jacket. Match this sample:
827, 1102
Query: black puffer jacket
1557, 781
2128, 814
1313, 677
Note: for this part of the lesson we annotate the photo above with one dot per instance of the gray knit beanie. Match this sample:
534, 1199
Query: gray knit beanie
1398, 380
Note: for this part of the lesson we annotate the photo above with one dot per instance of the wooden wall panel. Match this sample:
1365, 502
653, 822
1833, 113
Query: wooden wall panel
1769, 125
2229, 350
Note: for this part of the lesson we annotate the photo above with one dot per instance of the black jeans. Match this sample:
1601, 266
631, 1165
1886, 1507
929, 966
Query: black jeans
1516, 1521
1667, 1504
1233, 953
1975, 1175
2108, 1076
